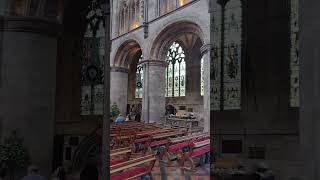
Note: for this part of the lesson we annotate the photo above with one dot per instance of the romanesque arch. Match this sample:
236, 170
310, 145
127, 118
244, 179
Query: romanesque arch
125, 53
186, 31
124, 77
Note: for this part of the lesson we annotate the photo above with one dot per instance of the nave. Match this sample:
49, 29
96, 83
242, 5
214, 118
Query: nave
158, 151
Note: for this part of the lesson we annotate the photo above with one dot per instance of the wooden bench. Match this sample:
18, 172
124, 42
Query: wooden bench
196, 149
133, 168
172, 150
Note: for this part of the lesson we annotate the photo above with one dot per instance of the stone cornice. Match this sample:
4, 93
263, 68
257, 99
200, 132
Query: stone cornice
30, 25
119, 69
154, 62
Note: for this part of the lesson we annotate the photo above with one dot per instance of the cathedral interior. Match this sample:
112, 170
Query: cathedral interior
210, 89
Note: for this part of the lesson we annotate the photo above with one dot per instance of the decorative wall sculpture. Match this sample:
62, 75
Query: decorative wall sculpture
294, 53
92, 63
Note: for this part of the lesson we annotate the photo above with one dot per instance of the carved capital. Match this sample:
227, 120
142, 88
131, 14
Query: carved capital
154, 63
205, 48
119, 69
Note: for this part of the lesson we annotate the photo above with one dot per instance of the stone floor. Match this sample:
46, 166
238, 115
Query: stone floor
162, 171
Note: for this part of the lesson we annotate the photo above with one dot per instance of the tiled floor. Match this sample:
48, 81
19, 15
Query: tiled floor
162, 171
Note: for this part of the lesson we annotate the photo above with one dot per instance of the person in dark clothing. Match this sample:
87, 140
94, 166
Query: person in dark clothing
137, 117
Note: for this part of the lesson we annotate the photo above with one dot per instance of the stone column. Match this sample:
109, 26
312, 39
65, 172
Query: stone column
28, 53
205, 50
119, 88
310, 88
153, 99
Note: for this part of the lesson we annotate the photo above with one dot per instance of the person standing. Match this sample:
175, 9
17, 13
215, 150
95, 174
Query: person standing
137, 117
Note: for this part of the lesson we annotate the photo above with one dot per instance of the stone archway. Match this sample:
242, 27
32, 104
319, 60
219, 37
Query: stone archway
191, 37
120, 70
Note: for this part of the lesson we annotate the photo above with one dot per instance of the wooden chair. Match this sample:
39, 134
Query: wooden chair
124, 152
196, 149
133, 168
174, 149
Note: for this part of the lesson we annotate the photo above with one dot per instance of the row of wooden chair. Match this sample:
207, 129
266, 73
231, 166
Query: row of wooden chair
131, 162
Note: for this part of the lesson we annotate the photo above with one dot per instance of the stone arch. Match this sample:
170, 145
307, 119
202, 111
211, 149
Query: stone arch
125, 53
171, 33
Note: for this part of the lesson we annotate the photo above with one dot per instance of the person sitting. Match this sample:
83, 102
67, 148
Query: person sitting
33, 174
120, 119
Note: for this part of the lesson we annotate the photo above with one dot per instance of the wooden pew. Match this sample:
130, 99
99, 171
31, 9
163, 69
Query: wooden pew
124, 152
196, 149
158, 140
171, 150
132, 168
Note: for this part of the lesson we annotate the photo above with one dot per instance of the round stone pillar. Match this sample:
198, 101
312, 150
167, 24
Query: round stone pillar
119, 88
205, 50
153, 99
27, 85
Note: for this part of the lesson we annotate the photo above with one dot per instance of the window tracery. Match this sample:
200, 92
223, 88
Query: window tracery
92, 63
139, 79
225, 90
175, 71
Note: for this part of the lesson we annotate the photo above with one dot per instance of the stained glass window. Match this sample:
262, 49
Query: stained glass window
139, 79
294, 54
232, 54
175, 71
201, 78
228, 97
92, 62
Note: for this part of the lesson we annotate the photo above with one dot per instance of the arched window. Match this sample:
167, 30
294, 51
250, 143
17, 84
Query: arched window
294, 53
129, 15
175, 71
201, 78
135, 18
92, 63
166, 6
123, 18
139, 79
